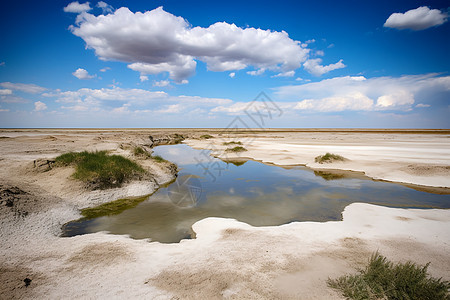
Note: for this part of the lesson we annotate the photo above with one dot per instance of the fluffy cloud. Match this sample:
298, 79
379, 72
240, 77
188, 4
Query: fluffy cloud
23, 87
359, 93
314, 66
82, 74
352, 101
232, 74
161, 83
76, 7
257, 72
399, 98
416, 19
39, 106
156, 41
143, 78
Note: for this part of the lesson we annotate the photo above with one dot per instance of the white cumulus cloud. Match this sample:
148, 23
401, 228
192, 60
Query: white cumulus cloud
76, 7
82, 74
314, 66
157, 41
161, 83
352, 101
232, 74
416, 19
360, 93
39, 106
143, 78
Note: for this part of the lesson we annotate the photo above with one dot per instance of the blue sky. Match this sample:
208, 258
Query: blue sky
373, 64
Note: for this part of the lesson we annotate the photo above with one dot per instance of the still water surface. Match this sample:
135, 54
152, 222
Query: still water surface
250, 192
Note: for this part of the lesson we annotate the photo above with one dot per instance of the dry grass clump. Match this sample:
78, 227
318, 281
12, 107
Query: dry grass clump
382, 279
236, 149
232, 143
328, 158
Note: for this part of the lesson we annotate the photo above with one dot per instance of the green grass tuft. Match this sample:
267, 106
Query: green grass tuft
206, 136
232, 143
328, 158
139, 151
236, 149
99, 169
382, 279
158, 158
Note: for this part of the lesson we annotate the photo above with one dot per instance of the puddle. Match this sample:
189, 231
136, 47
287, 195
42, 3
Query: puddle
251, 192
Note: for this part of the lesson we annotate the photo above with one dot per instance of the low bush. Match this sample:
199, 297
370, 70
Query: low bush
236, 149
382, 279
328, 158
232, 143
206, 136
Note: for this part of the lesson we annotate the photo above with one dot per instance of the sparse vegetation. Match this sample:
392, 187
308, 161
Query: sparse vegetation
177, 138
236, 149
140, 152
100, 170
328, 158
158, 158
382, 279
206, 136
232, 143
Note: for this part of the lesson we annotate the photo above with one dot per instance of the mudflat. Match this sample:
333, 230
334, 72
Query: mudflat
228, 259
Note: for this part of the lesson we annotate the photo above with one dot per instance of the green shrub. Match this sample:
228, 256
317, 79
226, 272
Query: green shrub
236, 149
382, 279
139, 151
206, 136
328, 158
232, 143
100, 169
158, 158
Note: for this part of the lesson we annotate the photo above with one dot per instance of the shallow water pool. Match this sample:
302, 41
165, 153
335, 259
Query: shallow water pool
251, 192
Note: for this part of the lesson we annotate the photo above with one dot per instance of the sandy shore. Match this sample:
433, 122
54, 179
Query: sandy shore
421, 158
228, 259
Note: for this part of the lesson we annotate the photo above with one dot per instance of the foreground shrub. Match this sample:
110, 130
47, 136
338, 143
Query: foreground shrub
99, 169
382, 279
206, 136
328, 158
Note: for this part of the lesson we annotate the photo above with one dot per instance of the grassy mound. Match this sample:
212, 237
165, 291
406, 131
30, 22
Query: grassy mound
236, 149
382, 279
328, 158
206, 136
232, 143
99, 169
